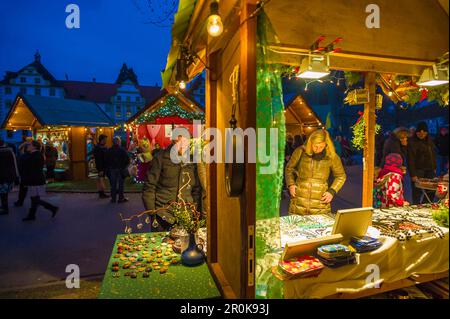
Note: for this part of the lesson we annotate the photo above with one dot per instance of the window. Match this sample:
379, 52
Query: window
128, 99
23, 80
128, 108
23, 90
37, 91
138, 98
118, 111
8, 103
118, 98
9, 134
8, 90
37, 80
52, 92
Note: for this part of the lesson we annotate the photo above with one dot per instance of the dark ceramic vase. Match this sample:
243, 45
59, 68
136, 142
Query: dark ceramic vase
193, 255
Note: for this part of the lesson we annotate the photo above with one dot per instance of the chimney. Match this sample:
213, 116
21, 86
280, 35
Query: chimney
37, 56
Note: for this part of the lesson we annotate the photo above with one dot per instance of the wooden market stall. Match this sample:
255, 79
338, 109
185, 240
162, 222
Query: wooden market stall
300, 117
66, 123
157, 119
412, 36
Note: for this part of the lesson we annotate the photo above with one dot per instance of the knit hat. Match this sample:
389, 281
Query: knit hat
394, 159
422, 126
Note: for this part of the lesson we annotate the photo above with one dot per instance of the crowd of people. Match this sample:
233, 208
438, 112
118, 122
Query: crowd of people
409, 151
27, 170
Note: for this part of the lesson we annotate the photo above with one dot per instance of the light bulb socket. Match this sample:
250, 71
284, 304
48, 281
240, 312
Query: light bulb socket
214, 8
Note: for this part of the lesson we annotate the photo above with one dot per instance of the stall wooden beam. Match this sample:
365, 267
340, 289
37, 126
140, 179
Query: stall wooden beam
248, 103
213, 60
369, 148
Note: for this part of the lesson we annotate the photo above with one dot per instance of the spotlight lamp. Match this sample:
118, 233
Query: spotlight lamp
215, 25
434, 76
314, 67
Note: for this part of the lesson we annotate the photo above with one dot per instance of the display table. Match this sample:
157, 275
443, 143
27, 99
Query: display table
179, 282
425, 253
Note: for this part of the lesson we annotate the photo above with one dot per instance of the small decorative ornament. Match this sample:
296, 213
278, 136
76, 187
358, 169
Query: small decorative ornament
147, 220
139, 226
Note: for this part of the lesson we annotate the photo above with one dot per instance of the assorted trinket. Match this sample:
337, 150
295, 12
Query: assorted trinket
141, 254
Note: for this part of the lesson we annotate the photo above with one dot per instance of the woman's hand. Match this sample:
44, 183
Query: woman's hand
292, 190
327, 198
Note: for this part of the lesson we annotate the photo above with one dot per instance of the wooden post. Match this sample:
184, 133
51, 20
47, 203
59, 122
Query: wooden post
77, 151
211, 121
248, 103
369, 149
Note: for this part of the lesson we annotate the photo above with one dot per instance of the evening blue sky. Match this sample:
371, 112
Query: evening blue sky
111, 32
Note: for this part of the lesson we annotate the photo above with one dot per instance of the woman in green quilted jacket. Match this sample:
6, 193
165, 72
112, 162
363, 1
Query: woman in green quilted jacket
307, 174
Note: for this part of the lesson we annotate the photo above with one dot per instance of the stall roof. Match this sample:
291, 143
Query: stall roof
188, 103
299, 112
35, 111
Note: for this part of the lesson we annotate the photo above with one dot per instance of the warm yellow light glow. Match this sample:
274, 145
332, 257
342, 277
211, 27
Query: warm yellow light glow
182, 85
390, 93
215, 26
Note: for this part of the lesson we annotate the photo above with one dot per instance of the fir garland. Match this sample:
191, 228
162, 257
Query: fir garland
170, 108
359, 132
440, 215
352, 78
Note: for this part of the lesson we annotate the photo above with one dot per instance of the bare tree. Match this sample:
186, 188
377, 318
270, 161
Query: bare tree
157, 12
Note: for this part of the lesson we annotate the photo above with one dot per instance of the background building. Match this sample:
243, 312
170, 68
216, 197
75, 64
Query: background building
120, 100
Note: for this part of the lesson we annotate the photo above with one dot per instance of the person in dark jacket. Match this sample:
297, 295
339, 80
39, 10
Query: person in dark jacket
23, 190
99, 153
396, 143
117, 161
164, 182
51, 156
421, 160
442, 148
33, 177
8, 175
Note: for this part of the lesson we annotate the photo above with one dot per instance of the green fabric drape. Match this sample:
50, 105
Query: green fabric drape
269, 112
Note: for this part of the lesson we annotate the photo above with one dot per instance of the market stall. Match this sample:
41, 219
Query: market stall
70, 125
300, 118
249, 48
156, 120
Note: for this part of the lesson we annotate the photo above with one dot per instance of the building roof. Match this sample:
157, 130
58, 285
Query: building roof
102, 92
40, 68
54, 111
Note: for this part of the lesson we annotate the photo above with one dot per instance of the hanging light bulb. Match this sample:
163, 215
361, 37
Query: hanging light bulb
182, 85
214, 26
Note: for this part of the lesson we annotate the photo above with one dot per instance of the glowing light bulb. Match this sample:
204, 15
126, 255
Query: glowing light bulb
182, 85
215, 26
390, 93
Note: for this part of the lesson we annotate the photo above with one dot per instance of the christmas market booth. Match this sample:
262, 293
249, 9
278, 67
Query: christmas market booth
300, 118
247, 47
70, 125
157, 119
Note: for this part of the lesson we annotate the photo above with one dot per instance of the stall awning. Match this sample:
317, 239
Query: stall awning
179, 29
30, 111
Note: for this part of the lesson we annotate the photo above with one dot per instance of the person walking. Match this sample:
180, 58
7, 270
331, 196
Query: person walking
51, 156
307, 174
23, 190
33, 177
441, 142
421, 160
117, 161
165, 180
8, 175
99, 153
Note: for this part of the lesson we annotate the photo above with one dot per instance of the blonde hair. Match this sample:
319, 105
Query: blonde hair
320, 136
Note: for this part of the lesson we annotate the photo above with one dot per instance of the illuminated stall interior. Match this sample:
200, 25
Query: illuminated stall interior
228, 39
68, 124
